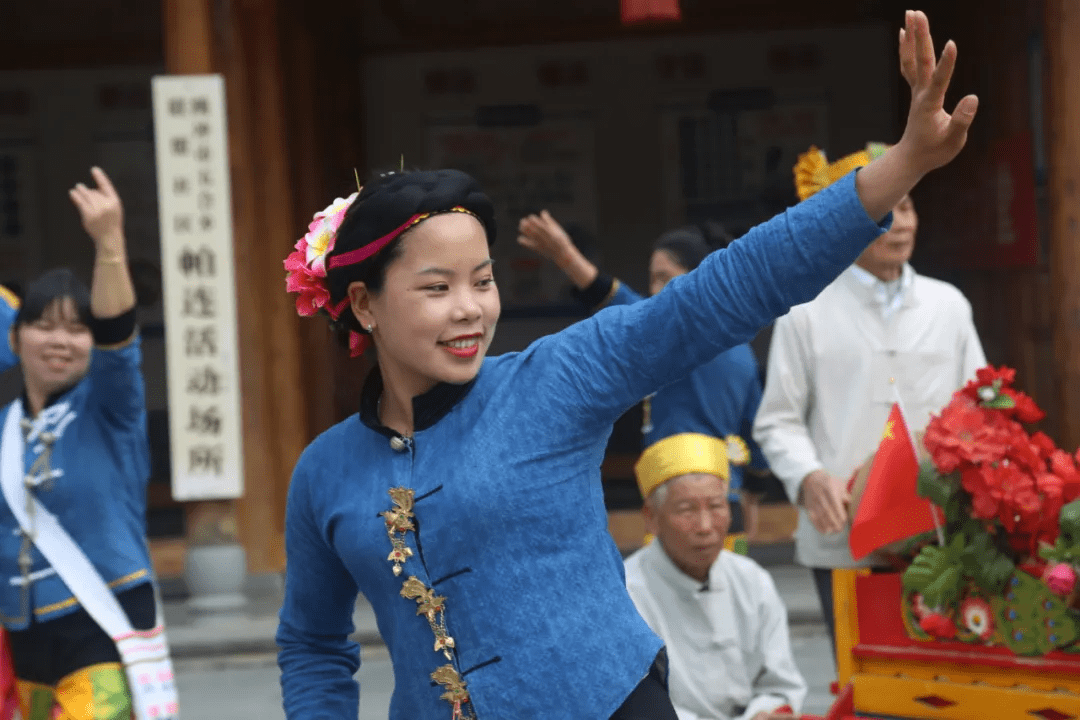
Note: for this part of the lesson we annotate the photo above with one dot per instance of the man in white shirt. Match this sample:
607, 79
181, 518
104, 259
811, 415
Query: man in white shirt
719, 613
879, 333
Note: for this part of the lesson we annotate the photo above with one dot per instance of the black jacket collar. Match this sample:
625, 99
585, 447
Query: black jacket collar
428, 409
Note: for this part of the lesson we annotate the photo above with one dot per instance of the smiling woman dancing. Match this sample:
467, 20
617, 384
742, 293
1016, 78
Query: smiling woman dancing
464, 498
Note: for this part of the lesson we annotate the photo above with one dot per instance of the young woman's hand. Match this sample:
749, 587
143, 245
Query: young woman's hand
544, 235
932, 137
102, 213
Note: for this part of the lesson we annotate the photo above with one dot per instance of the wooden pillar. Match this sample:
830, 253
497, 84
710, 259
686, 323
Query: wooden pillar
1062, 27
239, 39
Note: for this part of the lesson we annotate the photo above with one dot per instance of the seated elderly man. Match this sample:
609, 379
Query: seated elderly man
719, 613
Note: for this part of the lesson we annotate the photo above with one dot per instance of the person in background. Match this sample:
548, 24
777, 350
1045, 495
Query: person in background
75, 446
879, 333
719, 614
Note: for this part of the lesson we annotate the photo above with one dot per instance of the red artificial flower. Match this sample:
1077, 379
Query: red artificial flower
1025, 410
938, 625
1043, 442
966, 433
1027, 454
311, 292
982, 484
989, 374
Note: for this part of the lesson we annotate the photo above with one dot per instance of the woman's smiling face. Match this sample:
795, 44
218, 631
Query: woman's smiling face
435, 315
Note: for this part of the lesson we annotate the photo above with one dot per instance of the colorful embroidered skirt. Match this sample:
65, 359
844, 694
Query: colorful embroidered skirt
98, 692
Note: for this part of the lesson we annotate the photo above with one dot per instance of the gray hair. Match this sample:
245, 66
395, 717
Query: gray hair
658, 496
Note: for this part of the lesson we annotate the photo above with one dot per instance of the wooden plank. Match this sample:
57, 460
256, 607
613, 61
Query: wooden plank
240, 39
1062, 23
846, 614
939, 669
275, 416
899, 697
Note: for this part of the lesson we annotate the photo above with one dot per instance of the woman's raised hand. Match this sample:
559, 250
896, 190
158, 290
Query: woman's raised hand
932, 137
102, 212
544, 235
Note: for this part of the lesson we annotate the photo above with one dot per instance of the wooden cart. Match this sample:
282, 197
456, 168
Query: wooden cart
885, 673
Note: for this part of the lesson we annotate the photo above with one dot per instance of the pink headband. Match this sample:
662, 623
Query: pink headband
361, 254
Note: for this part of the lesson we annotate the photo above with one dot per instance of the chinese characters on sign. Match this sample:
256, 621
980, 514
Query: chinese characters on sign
199, 284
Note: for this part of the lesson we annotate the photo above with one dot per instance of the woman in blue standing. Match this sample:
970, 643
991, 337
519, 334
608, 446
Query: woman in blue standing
464, 498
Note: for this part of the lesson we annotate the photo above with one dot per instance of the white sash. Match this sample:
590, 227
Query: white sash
145, 653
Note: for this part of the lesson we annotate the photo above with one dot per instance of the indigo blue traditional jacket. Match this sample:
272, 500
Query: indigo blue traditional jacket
497, 518
719, 398
100, 465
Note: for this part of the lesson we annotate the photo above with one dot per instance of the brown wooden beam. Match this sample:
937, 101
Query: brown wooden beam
239, 39
1062, 27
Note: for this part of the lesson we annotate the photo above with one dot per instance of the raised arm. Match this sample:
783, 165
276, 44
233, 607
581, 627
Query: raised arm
316, 657
621, 354
117, 381
545, 236
111, 291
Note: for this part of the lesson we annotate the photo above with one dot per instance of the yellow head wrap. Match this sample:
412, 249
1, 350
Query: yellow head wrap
680, 455
813, 171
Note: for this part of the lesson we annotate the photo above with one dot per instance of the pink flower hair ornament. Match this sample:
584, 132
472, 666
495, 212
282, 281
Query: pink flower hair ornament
306, 269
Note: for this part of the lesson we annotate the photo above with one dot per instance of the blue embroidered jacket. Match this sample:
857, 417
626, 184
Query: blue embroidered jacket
509, 531
100, 466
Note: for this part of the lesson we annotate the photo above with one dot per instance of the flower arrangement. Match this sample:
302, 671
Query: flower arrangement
1003, 570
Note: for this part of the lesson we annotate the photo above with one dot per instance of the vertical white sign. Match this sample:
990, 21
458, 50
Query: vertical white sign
195, 216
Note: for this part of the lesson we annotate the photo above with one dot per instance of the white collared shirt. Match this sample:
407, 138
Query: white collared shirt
728, 643
889, 296
836, 366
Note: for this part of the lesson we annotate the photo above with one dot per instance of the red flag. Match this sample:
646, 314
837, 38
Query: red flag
890, 508
643, 11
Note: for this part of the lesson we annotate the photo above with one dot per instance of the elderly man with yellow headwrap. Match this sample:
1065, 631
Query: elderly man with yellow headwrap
879, 333
719, 614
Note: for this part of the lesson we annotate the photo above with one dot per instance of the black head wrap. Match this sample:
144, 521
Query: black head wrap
690, 245
389, 202
369, 235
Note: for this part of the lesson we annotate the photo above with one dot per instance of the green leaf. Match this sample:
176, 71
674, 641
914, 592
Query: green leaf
1000, 402
936, 573
987, 567
934, 486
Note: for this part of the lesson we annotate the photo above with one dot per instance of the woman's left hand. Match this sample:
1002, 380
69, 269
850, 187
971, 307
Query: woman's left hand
101, 212
932, 137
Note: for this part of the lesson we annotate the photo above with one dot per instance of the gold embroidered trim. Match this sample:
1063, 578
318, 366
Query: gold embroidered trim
433, 607
399, 522
455, 692
72, 600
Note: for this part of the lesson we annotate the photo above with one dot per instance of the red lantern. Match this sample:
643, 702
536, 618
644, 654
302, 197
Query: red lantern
647, 11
